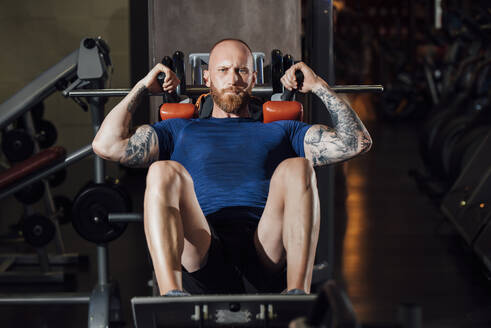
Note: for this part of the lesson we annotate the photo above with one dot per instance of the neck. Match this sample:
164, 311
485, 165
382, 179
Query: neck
220, 113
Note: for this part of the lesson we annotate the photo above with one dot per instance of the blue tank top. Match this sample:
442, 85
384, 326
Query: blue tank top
231, 160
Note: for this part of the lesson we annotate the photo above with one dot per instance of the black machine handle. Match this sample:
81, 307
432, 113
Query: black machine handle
288, 94
167, 61
168, 97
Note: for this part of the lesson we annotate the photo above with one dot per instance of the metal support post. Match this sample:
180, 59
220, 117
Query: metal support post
97, 112
321, 53
100, 299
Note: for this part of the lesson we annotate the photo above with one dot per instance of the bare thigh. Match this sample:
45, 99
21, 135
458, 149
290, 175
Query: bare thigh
290, 178
171, 180
268, 237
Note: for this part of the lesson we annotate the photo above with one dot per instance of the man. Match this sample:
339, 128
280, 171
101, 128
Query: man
231, 202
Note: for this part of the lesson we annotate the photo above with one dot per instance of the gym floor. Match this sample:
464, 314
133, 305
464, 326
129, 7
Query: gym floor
397, 249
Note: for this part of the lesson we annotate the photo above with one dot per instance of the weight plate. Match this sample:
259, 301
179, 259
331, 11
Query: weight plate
17, 145
31, 193
38, 230
37, 112
91, 208
63, 206
57, 178
46, 134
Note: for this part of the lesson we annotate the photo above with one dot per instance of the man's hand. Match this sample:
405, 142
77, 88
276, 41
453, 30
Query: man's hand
152, 84
311, 80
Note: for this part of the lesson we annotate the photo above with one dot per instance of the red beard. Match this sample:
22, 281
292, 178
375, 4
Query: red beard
231, 103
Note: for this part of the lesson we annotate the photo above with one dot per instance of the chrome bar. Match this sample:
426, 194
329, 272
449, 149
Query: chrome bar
259, 91
125, 217
102, 265
26, 299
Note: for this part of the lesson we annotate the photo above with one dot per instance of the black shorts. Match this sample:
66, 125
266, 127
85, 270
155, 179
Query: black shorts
233, 266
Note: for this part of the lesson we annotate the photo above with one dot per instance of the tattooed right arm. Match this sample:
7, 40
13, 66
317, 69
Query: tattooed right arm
115, 142
111, 141
142, 148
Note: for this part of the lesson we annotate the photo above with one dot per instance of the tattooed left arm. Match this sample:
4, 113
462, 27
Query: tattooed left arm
324, 145
347, 138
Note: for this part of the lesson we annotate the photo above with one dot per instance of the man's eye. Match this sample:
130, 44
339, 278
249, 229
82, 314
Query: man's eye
222, 69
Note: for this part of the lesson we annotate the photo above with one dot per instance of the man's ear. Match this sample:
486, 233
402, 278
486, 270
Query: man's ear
206, 77
254, 78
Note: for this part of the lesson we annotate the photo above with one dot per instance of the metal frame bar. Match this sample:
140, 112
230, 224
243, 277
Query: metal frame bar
200, 311
320, 51
105, 295
39, 88
262, 90
32, 277
73, 157
31, 259
48, 299
124, 217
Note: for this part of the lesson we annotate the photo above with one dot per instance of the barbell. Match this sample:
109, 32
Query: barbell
258, 91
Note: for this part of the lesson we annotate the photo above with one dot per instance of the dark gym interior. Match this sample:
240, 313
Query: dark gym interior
405, 228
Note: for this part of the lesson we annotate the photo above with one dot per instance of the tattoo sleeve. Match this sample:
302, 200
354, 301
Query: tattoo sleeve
346, 139
136, 99
142, 149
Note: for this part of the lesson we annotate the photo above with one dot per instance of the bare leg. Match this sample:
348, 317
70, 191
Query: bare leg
289, 227
175, 227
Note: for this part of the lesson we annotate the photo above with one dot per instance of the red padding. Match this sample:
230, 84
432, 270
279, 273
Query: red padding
34, 163
172, 110
282, 110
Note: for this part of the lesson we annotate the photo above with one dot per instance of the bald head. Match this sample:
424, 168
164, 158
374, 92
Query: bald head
231, 47
231, 77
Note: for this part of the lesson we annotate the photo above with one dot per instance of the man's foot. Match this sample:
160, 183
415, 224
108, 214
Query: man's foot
177, 292
294, 291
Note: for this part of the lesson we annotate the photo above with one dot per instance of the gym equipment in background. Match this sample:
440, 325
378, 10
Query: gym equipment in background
455, 141
467, 204
85, 67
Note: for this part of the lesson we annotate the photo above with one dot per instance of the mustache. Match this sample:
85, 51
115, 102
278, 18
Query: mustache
234, 89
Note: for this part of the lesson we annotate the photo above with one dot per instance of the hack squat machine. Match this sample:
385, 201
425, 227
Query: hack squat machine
101, 210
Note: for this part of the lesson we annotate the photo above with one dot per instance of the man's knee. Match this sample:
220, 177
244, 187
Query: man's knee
297, 171
164, 174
